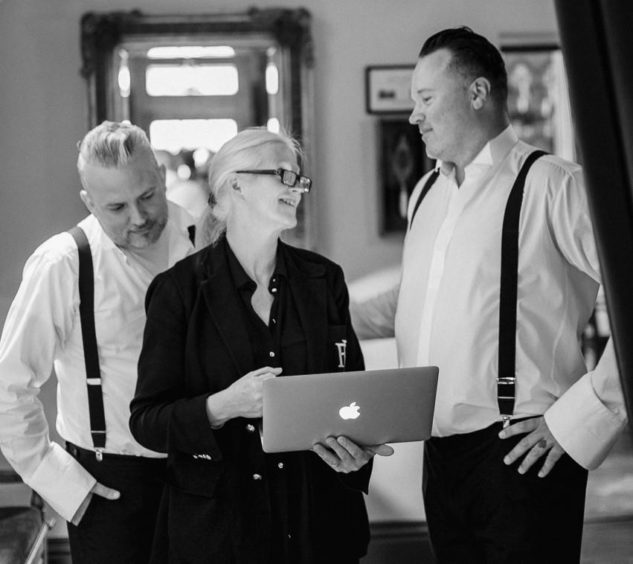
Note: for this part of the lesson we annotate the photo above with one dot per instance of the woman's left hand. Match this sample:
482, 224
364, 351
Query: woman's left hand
345, 456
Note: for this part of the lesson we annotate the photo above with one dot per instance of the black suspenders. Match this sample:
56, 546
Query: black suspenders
91, 355
89, 337
508, 293
427, 186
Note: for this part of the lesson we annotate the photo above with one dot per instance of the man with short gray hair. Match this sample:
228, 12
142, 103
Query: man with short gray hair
80, 311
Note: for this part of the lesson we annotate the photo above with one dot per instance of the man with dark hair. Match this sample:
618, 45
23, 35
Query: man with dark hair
499, 277
473, 55
80, 312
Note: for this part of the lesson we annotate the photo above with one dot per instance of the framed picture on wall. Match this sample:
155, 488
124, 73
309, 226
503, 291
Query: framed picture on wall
388, 89
538, 99
403, 162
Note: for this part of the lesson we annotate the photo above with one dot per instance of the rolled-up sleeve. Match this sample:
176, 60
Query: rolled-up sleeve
40, 318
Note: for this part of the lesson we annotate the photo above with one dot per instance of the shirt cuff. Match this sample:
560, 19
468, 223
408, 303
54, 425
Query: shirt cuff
584, 427
61, 481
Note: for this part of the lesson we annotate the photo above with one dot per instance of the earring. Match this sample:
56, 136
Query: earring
235, 185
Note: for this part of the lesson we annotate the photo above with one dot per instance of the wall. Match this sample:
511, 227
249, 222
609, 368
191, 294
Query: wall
43, 115
43, 110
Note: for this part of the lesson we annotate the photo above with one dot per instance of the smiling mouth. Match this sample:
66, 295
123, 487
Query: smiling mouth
291, 203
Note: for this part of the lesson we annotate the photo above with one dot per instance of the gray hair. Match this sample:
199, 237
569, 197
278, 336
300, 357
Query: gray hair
244, 151
112, 145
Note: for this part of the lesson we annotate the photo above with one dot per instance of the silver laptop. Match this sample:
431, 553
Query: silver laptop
370, 407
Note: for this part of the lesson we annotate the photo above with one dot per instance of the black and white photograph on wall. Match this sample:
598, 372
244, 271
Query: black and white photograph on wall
403, 162
538, 100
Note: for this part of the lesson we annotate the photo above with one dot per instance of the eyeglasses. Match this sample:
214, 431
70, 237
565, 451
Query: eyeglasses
287, 177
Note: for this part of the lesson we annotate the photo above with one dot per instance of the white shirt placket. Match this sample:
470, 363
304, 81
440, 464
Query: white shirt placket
436, 269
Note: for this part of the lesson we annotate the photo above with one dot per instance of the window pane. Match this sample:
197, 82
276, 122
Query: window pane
175, 134
191, 80
190, 52
273, 125
272, 79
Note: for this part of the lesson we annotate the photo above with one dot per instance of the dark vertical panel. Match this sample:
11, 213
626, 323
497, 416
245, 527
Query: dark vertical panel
597, 43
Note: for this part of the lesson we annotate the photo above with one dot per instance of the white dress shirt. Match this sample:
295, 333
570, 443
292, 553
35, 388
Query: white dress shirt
43, 331
447, 311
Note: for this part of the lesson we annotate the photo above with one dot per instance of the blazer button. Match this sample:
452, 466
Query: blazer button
250, 428
280, 466
257, 477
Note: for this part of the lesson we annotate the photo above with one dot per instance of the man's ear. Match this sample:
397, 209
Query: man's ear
85, 198
479, 89
162, 171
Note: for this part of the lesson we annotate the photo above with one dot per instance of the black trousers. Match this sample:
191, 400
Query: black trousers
480, 510
118, 531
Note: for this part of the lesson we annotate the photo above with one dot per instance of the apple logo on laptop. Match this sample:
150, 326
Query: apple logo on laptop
351, 411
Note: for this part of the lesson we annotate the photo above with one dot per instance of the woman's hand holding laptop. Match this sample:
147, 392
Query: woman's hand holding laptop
345, 456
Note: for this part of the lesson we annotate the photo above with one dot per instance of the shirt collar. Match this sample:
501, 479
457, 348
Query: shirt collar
490, 155
240, 278
243, 280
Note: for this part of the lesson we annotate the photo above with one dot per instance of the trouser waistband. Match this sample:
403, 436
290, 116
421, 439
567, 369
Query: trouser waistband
474, 436
81, 453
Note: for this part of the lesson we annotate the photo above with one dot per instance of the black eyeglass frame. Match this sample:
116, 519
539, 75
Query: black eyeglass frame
289, 178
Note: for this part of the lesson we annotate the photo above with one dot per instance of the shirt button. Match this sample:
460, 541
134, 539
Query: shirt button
280, 466
289, 536
273, 290
257, 477
273, 320
272, 354
250, 428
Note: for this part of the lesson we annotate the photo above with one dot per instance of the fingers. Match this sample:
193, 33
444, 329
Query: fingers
266, 371
380, 450
104, 491
343, 455
552, 458
268, 375
538, 444
520, 449
536, 452
552, 453
326, 455
336, 452
525, 426
351, 456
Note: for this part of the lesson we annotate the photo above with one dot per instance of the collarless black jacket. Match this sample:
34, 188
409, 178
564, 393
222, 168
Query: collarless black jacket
216, 506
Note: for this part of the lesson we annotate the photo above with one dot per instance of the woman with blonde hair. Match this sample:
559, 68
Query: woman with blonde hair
245, 308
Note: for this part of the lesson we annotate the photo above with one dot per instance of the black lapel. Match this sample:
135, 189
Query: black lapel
308, 285
224, 306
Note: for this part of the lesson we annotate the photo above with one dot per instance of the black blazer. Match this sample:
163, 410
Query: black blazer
216, 506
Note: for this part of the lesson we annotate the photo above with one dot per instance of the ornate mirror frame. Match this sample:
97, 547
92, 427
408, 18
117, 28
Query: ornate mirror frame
103, 32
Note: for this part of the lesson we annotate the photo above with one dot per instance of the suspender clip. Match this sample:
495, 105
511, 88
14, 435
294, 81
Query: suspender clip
99, 454
506, 380
506, 420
